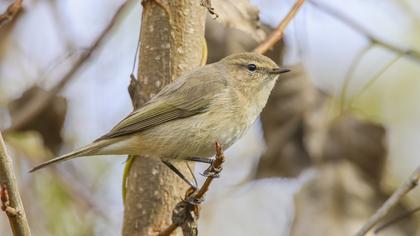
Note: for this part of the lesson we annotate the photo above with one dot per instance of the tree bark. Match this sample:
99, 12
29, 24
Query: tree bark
172, 34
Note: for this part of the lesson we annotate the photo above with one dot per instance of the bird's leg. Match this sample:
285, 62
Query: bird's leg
213, 171
198, 159
177, 172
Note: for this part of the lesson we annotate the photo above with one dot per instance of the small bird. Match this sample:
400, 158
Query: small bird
214, 103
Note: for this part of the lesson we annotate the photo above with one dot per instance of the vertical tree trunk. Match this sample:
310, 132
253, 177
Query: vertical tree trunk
172, 34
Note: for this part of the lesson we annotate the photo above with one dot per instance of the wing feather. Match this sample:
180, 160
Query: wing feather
183, 98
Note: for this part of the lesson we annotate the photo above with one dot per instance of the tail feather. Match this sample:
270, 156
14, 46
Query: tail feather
88, 150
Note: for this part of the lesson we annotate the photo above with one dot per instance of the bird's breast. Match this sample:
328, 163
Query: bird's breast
229, 118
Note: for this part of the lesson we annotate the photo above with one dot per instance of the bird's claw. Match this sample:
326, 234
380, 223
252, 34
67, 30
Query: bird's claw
212, 172
194, 201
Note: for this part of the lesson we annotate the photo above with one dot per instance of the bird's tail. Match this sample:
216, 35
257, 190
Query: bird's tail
90, 149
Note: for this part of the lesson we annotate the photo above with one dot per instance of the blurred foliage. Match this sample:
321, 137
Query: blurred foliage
48, 122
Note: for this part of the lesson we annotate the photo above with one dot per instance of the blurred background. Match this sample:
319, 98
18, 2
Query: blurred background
324, 155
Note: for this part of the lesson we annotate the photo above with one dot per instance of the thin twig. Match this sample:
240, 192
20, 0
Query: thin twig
10, 197
374, 79
277, 35
396, 219
186, 212
41, 101
210, 9
411, 53
11, 12
166, 232
349, 75
410, 184
369, 83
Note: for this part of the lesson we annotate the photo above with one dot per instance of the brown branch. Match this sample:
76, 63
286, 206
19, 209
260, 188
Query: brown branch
11, 12
166, 232
396, 219
10, 197
186, 212
411, 53
210, 9
277, 35
410, 184
41, 101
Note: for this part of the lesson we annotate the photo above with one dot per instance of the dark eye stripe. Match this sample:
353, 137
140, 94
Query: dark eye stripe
252, 67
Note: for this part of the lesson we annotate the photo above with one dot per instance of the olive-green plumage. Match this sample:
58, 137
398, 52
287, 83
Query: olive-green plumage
217, 102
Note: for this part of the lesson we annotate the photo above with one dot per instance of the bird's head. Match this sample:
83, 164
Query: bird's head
252, 71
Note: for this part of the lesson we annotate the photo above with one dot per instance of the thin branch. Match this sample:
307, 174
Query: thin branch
410, 184
343, 95
10, 197
349, 75
374, 78
11, 12
40, 102
186, 212
396, 219
210, 9
167, 232
411, 53
277, 35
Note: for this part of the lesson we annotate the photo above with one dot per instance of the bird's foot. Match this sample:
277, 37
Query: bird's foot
212, 172
194, 200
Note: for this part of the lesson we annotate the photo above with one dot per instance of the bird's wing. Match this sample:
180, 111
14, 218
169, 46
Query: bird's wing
178, 100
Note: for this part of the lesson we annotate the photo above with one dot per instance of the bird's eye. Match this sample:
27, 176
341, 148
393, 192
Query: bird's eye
252, 67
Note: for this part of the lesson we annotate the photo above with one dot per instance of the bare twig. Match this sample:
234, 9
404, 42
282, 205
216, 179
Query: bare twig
171, 228
40, 102
411, 183
349, 75
374, 78
411, 53
210, 9
10, 197
186, 212
11, 12
277, 35
396, 219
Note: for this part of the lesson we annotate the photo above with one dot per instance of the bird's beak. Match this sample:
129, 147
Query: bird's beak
277, 71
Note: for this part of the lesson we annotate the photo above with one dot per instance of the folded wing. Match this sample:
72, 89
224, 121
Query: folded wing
185, 97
